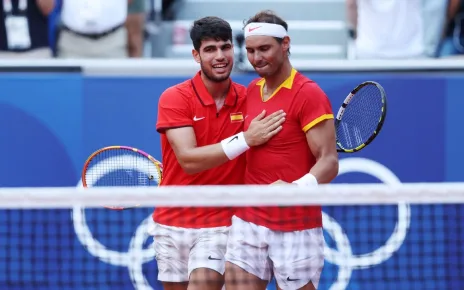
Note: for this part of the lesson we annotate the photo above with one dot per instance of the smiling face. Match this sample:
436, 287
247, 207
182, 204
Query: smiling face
266, 54
216, 58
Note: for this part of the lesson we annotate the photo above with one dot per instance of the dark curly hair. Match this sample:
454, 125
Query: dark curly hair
210, 27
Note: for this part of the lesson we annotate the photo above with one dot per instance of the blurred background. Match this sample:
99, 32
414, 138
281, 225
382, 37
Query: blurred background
79, 75
320, 29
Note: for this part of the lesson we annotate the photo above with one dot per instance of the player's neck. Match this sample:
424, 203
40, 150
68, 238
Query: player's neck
218, 90
275, 80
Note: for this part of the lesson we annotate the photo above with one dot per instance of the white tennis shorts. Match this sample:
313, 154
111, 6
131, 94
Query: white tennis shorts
294, 258
179, 251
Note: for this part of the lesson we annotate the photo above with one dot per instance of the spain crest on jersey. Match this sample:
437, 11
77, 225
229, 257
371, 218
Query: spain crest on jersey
236, 117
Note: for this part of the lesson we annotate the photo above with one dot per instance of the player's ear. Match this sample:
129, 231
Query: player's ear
196, 55
286, 43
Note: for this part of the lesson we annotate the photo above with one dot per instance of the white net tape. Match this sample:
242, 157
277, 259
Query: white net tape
237, 195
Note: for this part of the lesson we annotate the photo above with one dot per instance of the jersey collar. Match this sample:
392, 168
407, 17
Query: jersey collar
288, 84
204, 96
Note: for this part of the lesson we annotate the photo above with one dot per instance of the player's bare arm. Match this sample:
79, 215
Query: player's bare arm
321, 141
195, 159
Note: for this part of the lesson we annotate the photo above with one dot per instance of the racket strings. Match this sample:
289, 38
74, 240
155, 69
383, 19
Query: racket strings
361, 117
122, 168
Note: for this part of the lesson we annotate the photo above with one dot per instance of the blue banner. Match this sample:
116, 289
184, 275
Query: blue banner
50, 123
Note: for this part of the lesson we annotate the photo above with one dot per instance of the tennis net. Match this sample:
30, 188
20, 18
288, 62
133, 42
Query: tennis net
407, 236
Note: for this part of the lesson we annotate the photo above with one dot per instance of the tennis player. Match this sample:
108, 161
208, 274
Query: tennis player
201, 124
286, 242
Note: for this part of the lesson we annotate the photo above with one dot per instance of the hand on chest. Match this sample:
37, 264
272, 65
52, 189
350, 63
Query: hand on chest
291, 128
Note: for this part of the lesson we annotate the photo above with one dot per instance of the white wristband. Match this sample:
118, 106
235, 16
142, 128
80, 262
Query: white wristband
306, 180
234, 145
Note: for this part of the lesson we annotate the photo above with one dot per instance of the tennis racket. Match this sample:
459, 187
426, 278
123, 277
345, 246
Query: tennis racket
360, 117
121, 166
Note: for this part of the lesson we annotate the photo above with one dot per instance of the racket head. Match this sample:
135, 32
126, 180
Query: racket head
121, 166
361, 117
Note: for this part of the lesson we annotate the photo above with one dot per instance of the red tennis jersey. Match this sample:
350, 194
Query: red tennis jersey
190, 104
287, 155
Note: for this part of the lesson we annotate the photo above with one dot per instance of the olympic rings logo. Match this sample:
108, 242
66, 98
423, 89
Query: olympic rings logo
342, 256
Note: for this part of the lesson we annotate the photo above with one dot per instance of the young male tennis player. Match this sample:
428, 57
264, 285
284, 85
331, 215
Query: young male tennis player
286, 242
202, 141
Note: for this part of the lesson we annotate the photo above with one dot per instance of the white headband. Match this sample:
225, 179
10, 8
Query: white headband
266, 29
